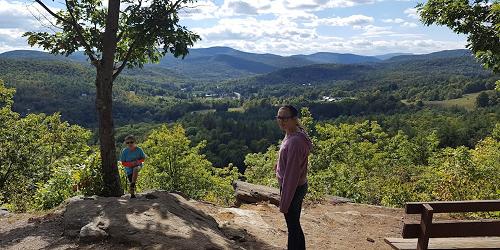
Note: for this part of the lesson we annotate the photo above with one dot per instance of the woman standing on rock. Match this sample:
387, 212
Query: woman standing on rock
291, 171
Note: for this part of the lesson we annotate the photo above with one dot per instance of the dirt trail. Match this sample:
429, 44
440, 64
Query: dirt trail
343, 226
159, 220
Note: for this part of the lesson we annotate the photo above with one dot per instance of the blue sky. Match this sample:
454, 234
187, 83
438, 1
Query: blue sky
368, 27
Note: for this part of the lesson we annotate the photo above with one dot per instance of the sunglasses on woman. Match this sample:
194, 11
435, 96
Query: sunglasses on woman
283, 118
129, 142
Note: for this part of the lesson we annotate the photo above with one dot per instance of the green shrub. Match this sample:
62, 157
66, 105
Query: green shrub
173, 165
77, 175
55, 190
362, 162
260, 167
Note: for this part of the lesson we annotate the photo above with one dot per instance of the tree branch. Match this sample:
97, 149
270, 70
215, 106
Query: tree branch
125, 60
3, 180
132, 46
176, 4
79, 33
51, 12
39, 19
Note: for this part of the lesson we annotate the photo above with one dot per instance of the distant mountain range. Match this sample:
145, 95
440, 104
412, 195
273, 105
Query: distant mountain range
428, 72
391, 55
222, 63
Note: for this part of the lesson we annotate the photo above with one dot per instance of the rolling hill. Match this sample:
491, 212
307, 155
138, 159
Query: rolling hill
216, 63
446, 62
391, 55
435, 76
222, 63
325, 57
436, 55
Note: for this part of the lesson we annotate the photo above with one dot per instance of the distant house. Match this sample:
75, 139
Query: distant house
334, 99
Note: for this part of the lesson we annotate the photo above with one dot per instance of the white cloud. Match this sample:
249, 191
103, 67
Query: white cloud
240, 7
375, 31
354, 20
203, 9
365, 46
401, 22
412, 12
395, 20
409, 25
230, 8
11, 34
283, 29
15, 19
315, 5
285, 35
15, 14
11, 39
252, 29
381, 46
269, 26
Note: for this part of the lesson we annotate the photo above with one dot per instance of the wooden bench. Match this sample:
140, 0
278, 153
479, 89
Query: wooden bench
454, 234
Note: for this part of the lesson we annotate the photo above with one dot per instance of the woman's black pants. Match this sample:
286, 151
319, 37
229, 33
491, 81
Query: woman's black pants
296, 240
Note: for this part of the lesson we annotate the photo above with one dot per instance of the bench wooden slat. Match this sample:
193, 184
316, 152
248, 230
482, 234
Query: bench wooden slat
447, 243
454, 206
443, 229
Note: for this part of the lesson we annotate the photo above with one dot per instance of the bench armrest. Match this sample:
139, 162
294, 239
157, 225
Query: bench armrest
454, 206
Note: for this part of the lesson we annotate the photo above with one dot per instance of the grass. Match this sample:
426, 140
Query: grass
467, 102
207, 111
204, 111
240, 109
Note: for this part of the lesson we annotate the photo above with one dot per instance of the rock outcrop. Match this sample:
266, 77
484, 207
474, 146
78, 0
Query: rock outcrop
156, 220
162, 220
251, 193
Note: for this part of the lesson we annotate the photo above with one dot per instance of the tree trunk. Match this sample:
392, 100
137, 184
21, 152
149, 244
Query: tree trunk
104, 103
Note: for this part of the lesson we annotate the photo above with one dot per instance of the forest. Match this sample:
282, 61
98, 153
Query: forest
368, 121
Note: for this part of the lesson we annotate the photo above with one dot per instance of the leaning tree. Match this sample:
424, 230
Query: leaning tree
114, 37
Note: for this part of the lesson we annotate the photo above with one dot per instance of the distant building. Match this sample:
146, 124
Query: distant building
334, 99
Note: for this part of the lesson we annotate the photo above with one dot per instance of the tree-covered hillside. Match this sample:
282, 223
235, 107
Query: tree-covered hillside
50, 86
392, 92
161, 92
437, 76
